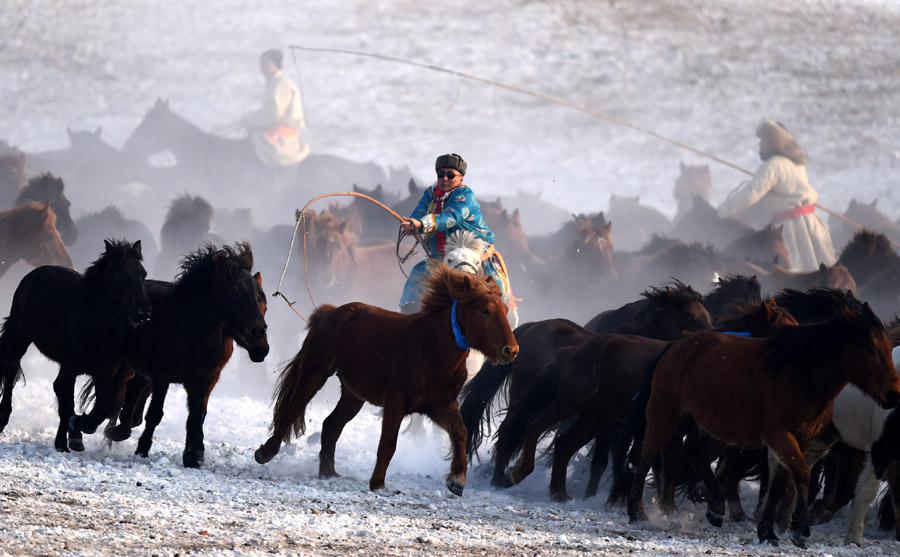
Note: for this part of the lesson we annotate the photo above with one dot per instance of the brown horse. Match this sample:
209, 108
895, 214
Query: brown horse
762, 247
775, 392
48, 188
421, 366
836, 276
29, 232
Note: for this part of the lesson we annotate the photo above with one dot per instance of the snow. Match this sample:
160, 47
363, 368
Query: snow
700, 71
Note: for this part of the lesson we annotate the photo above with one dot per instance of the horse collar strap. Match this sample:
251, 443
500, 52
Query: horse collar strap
461, 341
738, 333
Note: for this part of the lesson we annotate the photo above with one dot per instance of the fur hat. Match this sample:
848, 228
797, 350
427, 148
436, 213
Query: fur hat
782, 140
275, 56
453, 161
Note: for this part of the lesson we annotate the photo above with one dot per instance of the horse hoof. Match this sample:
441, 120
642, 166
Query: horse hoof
260, 458
714, 518
190, 462
142, 453
798, 540
117, 433
738, 517
76, 445
455, 487
560, 497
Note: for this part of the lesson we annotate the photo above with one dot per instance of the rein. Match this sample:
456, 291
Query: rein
300, 215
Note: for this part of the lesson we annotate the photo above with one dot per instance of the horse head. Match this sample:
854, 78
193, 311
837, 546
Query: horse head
761, 247
673, 312
34, 226
477, 305
760, 320
47, 187
732, 292
464, 251
693, 180
591, 249
868, 360
118, 275
328, 247
149, 137
238, 296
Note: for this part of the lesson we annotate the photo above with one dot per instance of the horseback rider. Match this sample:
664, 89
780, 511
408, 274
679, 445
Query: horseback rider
781, 189
274, 128
444, 208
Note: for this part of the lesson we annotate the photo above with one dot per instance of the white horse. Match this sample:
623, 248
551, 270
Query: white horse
860, 422
464, 251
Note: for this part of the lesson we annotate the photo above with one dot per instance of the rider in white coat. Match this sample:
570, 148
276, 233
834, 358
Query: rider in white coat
274, 127
781, 189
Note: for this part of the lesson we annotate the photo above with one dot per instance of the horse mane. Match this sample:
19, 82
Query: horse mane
22, 215
198, 265
657, 244
43, 187
817, 342
445, 285
817, 304
187, 215
865, 244
893, 330
674, 293
465, 239
115, 252
731, 291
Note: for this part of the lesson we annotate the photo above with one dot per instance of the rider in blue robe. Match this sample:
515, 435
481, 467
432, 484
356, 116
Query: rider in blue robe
445, 208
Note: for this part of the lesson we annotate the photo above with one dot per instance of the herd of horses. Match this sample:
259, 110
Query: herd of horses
778, 376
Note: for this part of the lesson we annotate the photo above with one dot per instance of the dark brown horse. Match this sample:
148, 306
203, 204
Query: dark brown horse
48, 188
29, 232
875, 265
775, 392
420, 367
836, 276
186, 228
763, 247
139, 388
692, 180
214, 298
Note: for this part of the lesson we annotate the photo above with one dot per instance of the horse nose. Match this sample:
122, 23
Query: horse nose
510, 352
891, 400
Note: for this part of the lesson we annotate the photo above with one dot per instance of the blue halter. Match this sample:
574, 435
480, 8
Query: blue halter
745, 334
461, 341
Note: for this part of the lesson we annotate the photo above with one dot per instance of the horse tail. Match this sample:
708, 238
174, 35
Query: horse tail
88, 393
539, 393
299, 381
478, 401
632, 433
14, 342
886, 519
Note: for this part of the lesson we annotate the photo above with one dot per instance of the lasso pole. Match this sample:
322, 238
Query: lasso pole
558, 101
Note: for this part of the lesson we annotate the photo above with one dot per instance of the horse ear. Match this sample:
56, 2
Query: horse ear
356, 188
99, 131
69, 133
822, 267
159, 102
107, 244
874, 203
771, 303
258, 277
413, 188
137, 246
515, 215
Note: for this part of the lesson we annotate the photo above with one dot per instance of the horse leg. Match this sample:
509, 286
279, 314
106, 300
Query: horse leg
391, 419
730, 471
13, 344
197, 401
154, 416
599, 462
866, 490
347, 408
697, 451
848, 464
508, 433
662, 424
566, 445
64, 387
789, 453
449, 419
136, 389
893, 480
554, 413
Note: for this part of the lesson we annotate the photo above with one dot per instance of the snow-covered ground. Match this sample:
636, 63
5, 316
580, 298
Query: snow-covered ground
700, 71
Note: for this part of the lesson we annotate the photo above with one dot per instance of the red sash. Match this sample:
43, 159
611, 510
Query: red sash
795, 213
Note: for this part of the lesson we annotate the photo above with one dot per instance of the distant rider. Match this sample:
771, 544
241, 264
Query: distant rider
274, 127
781, 189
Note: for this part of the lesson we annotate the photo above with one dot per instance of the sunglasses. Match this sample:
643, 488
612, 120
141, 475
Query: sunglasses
450, 175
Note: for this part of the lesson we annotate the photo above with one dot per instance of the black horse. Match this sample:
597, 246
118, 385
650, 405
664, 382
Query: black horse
214, 299
79, 321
